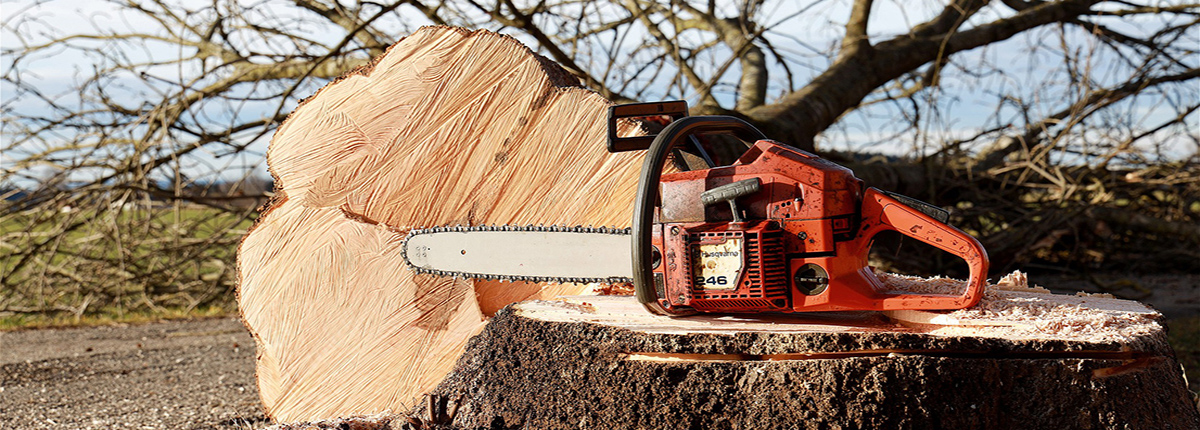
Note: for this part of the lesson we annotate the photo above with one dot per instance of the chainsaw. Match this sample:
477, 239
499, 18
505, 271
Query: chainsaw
778, 230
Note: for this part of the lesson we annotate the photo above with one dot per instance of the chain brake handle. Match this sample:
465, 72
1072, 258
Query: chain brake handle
647, 198
883, 211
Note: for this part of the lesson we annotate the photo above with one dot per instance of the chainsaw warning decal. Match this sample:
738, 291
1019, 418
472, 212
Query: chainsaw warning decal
716, 266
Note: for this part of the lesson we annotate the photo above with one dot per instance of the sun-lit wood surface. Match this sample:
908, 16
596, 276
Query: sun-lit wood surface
447, 128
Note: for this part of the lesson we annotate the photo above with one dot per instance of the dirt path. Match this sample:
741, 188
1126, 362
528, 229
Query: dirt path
172, 375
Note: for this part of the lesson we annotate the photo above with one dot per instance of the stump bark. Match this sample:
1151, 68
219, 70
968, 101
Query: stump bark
603, 362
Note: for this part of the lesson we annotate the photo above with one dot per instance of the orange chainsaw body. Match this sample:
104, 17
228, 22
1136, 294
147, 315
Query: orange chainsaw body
802, 245
793, 233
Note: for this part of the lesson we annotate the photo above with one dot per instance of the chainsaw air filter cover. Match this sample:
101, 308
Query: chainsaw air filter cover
719, 267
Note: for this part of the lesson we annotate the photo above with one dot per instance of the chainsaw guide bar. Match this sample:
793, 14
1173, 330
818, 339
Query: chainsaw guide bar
531, 253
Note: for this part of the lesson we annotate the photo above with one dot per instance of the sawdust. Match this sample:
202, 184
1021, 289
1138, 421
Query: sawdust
381, 421
617, 289
571, 304
1033, 310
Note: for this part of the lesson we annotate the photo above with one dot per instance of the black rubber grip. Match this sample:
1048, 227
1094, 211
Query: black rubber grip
647, 196
942, 215
730, 191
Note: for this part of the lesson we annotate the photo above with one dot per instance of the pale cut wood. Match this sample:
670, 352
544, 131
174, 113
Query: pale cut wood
448, 127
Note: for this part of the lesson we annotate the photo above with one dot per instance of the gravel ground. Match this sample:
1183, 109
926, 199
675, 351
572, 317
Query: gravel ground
171, 375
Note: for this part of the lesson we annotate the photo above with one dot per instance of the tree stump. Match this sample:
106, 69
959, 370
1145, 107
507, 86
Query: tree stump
1023, 359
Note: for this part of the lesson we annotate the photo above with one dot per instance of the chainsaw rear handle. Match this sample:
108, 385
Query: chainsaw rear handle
882, 211
647, 196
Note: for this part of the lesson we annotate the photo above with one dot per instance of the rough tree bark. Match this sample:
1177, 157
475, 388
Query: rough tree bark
1023, 359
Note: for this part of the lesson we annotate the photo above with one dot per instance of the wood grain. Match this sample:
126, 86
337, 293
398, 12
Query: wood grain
449, 127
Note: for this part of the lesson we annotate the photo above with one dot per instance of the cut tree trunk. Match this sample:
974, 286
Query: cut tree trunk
1022, 359
449, 127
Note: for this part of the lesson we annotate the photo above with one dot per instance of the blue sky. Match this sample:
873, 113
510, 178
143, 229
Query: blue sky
965, 103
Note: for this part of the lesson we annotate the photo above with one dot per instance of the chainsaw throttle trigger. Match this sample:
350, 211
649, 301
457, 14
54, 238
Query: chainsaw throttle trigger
730, 193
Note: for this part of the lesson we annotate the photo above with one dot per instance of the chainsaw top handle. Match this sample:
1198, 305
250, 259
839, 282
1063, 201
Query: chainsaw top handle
647, 195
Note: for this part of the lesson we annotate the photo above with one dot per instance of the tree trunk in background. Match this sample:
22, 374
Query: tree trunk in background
1023, 359
447, 128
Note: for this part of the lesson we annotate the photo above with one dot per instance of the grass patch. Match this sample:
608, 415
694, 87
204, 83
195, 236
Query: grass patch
97, 265
110, 316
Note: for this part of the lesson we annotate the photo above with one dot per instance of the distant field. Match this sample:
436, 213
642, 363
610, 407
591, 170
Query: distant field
111, 316
90, 266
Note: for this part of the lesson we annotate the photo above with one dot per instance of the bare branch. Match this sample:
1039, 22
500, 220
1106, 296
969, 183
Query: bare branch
856, 29
1088, 104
